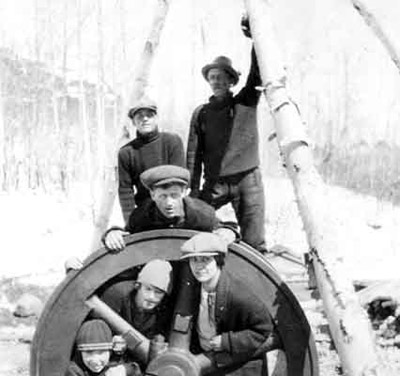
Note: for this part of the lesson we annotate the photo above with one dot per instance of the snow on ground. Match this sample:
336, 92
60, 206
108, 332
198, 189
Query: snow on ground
39, 231
366, 229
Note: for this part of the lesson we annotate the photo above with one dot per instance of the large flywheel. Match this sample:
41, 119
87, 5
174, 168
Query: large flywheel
77, 296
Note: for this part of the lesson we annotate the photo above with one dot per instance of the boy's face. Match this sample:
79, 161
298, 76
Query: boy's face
95, 360
148, 297
169, 200
204, 268
145, 120
220, 81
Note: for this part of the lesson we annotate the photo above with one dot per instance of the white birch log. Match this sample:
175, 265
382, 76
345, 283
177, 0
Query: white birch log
140, 82
375, 17
348, 322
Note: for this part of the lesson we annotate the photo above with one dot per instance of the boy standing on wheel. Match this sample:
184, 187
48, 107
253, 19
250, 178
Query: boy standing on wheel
223, 143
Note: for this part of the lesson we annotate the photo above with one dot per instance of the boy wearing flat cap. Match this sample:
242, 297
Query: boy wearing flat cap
169, 207
150, 148
232, 322
94, 344
223, 141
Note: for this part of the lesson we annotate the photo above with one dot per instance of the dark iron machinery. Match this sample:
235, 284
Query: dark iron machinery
80, 294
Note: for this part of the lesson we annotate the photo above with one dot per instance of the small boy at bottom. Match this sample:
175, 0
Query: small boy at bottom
94, 344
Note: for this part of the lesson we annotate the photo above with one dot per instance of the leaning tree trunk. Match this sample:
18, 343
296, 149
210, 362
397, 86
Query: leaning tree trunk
379, 25
100, 92
140, 82
348, 322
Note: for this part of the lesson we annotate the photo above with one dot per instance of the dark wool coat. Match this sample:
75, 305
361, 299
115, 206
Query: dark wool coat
198, 216
139, 155
243, 321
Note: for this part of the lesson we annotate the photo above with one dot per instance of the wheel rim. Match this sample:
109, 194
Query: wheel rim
66, 309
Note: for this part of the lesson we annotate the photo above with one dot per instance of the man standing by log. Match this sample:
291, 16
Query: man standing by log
223, 139
150, 148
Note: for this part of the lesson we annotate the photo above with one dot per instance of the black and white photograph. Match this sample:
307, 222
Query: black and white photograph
200, 187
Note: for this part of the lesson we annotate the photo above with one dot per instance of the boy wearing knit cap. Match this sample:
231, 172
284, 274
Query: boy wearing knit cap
94, 345
146, 308
232, 321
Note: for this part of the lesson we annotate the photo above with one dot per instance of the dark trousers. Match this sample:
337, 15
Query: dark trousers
245, 192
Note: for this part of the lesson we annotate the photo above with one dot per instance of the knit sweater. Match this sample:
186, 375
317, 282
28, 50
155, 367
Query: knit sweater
223, 134
139, 155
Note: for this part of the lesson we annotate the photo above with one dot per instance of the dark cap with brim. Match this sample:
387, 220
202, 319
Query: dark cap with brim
144, 103
163, 175
221, 62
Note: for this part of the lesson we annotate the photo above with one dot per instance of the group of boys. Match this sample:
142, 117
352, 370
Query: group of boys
231, 322
222, 146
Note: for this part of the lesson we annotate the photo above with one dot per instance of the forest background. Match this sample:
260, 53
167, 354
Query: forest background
66, 71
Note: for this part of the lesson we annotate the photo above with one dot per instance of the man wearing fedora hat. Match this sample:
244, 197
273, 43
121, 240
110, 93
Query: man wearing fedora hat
169, 207
223, 141
150, 148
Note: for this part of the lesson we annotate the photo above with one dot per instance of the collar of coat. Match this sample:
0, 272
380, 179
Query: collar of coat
198, 216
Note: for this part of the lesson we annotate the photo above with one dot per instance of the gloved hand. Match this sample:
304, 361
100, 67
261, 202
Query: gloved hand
245, 25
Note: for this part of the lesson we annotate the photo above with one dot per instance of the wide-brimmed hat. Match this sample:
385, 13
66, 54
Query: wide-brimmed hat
165, 174
94, 335
157, 273
204, 244
224, 63
143, 103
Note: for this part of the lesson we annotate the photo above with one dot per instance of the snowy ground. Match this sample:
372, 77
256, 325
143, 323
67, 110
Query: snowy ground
39, 232
365, 230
